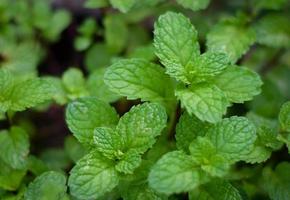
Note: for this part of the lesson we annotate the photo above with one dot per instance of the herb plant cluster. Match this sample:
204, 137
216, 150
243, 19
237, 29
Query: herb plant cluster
145, 100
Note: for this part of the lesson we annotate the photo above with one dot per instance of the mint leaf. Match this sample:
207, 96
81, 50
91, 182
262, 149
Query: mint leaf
273, 30
14, 147
284, 117
188, 128
205, 154
92, 177
175, 172
97, 87
96, 3
239, 84
232, 39
49, 185
10, 179
139, 127
277, 182
176, 44
216, 189
138, 78
258, 154
234, 137
123, 5
129, 162
73, 148
107, 142
206, 101
195, 4
85, 114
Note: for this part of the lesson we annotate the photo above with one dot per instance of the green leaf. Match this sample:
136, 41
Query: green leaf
85, 114
207, 66
232, 39
175, 172
74, 83
49, 185
14, 147
123, 5
92, 177
115, 40
239, 84
188, 129
273, 30
206, 101
6, 88
129, 162
277, 182
107, 142
138, 78
10, 179
73, 148
139, 127
269, 4
284, 117
176, 44
258, 154
216, 189
97, 87
194, 5
205, 154
234, 137
96, 3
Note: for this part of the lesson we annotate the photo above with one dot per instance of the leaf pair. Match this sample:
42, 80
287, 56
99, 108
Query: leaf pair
115, 148
18, 95
211, 154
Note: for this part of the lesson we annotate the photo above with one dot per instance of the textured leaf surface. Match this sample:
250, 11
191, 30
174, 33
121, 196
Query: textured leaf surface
234, 137
129, 162
205, 154
92, 177
175, 41
85, 114
49, 185
188, 129
284, 116
239, 84
194, 4
174, 173
123, 5
205, 101
216, 189
231, 39
14, 147
138, 78
139, 127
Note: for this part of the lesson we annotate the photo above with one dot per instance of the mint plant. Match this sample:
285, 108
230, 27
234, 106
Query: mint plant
144, 100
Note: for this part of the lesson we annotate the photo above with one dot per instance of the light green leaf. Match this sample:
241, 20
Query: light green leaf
138, 78
273, 30
277, 182
123, 5
284, 117
232, 39
139, 127
92, 177
188, 129
115, 40
6, 88
49, 185
194, 4
107, 142
175, 172
234, 137
239, 84
204, 153
85, 114
176, 44
74, 83
258, 154
216, 189
207, 66
129, 162
206, 101
97, 87
14, 147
